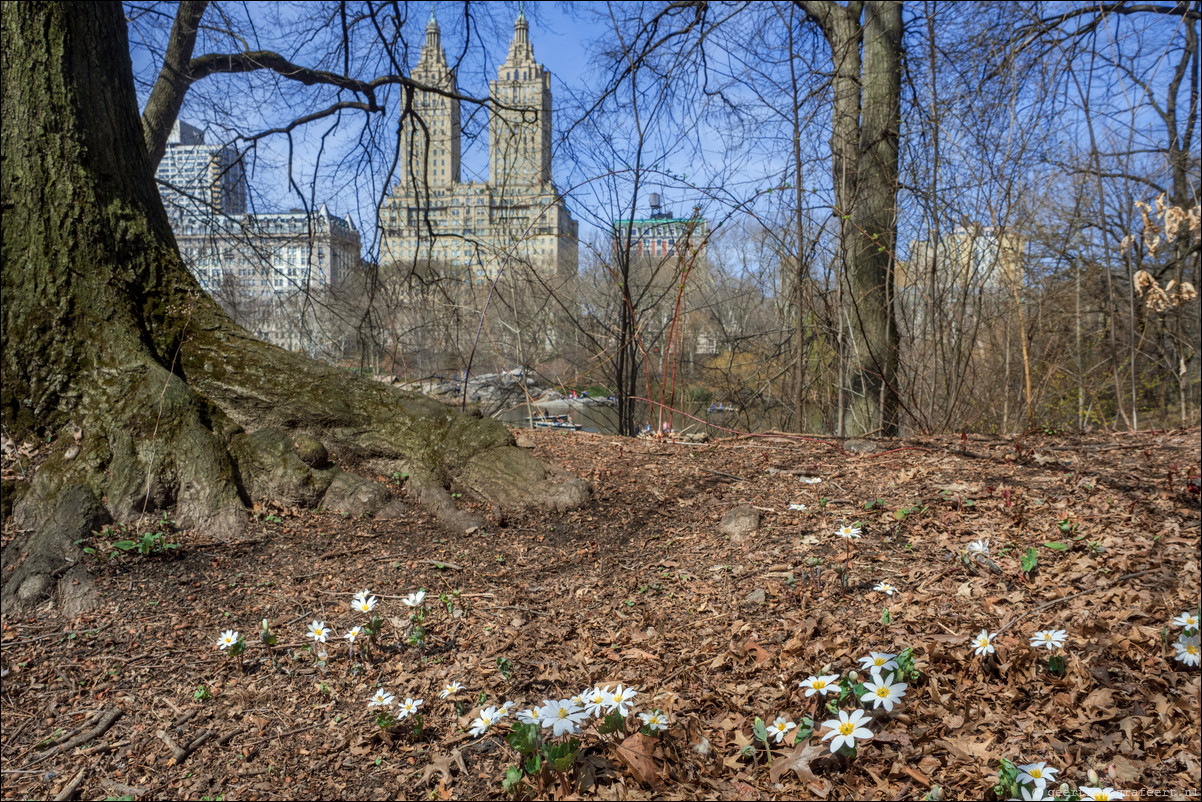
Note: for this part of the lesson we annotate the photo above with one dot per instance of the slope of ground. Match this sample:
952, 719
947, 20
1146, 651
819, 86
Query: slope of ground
642, 588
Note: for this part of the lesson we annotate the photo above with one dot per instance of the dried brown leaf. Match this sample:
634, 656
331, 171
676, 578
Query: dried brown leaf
799, 761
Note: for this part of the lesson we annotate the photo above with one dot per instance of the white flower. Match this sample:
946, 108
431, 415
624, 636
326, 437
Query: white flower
780, 728
846, 729
579, 698
1039, 773
364, 604
353, 634
414, 599
878, 661
381, 699
409, 706
531, 715
619, 700
978, 547
1051, 638
504, 711
810, 480
821, 685
228, 638
886, 588
983, 644
1099, 794
1187, 650
654, 720
848, 532
880, 692
480, 725
1037, 794
798, 507
563, 717
1187, 620
450, 688
596, 699
318, 632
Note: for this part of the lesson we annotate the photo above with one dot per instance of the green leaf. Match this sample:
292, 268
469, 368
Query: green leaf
760, 730
1030, 560
125, 545
1057, 546
523, 738
613, 723
513, 778
562, 756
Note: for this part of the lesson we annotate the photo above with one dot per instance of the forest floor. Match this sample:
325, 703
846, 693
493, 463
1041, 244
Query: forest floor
640, 587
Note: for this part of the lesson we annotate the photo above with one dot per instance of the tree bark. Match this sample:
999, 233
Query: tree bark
107, 337
865, 42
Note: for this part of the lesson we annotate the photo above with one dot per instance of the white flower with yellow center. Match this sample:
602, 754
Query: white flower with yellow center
318, 632
354, 634
1187, 620
654, 721
797, 507
619, 700
848, 532
821, 685
886, 588
1051, 638
563, 717
846, 729
531, 715
409, 707
450, 688
780, 728
1039, 773
364, 604
878, 661
596, 700
983, 643
810, 480
480, 725
1187, 650
414, 599
880, 692
1099, 794
381, 698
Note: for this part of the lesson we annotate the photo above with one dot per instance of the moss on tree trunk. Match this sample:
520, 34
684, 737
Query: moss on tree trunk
158, 399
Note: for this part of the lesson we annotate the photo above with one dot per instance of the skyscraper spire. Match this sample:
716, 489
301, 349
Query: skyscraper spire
520, 49
433, 38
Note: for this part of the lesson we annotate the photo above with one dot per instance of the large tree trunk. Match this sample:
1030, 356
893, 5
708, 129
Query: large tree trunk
864, 149
108, 339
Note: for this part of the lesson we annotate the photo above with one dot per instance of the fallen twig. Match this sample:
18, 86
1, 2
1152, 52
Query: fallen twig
721, 473
108, 720
99, 748
343, 553
72, 786
180, 753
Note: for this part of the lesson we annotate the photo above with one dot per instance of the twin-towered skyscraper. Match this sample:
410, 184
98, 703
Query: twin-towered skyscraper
517, 216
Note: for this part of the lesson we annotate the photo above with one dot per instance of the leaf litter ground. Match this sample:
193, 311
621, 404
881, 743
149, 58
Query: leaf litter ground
640, 587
